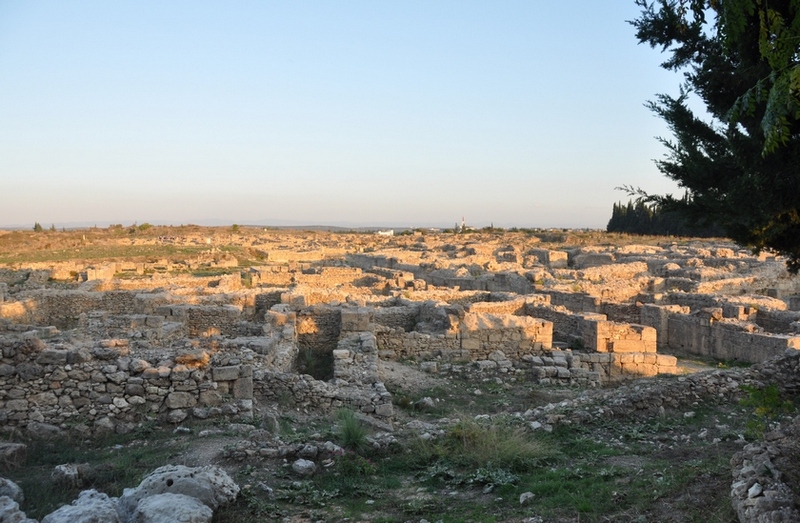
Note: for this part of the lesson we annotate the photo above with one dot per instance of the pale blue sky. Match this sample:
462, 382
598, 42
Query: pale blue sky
516, 113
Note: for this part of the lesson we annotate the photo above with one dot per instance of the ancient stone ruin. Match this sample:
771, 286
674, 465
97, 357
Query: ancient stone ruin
95, 348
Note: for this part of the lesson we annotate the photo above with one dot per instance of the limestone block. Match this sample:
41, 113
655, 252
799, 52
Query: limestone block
341, 354
563, 373
470, 344
243, 388
17, 405
384, 409
44, 399
52, 357
180, 400
627, 346
646, 370
665, 360
357, 320
225, 373
210, 398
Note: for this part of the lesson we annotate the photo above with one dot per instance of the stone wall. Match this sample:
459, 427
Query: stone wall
101, 324
63, 308
473, 338
106, 388
550, 259
355, 359
657, 316
400, 317
327, 277
264, 301
482, 333
515, 306
271, 276
567, 326
593, 369
609, 336
280, 339
205, 320
622, 312
318, 328
573, 301
397, 344
706, 333
303, 392
786, 322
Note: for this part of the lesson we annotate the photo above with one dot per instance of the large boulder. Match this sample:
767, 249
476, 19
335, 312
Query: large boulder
169, 508
12, 490
211, 485
10, 512
90, 507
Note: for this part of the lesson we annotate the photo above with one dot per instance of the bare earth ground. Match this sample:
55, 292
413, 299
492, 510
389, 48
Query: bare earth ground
703, 496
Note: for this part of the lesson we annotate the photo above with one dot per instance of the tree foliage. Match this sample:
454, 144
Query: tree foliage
740, 165
640, 218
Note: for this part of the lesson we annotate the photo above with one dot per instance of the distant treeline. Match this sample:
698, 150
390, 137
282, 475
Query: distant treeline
641, 218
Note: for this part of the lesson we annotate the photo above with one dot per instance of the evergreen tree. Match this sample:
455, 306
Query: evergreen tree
741, 169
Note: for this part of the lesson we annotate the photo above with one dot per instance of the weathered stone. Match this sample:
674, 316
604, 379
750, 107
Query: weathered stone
70, 474
210, 485
10, 512
304, 468
39, 430
169, 508
176, 415
243, 388
12, 490
210, 398
180, 400
52, 357
90, 507
225, 373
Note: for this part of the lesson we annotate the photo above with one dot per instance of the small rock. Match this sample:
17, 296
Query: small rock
525, 497
70, 474
755, 490
304, 468
425, 403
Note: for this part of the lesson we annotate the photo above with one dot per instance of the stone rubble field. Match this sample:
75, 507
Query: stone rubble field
535, 375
